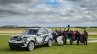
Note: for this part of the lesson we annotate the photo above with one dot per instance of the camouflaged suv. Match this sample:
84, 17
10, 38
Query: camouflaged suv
30, 38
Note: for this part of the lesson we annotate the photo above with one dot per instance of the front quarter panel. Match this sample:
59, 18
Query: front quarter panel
30, 39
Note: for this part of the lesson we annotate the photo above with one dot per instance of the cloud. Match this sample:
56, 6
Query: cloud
33, 12
14, 1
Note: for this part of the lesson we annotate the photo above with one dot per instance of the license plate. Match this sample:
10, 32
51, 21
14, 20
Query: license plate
13, 41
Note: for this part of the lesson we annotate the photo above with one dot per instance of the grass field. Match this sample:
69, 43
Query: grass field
91, 48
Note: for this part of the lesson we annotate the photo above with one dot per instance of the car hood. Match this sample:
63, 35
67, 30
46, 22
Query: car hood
24, 35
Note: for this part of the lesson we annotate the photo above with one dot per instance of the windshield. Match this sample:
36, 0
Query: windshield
32, 31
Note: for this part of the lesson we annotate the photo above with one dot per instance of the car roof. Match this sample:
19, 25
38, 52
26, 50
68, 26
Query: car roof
35, 27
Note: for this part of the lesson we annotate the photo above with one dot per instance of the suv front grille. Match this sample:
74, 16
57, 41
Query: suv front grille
16, 44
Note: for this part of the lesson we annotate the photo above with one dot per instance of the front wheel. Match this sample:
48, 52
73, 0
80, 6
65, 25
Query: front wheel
49, 43
30, 46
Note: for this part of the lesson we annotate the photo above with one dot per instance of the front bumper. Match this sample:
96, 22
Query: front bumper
17, 44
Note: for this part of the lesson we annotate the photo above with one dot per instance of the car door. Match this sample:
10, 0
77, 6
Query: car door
40, 36
46, 35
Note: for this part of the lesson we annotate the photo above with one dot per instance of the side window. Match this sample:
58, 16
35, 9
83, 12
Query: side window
40, 31
46, 31
43, 31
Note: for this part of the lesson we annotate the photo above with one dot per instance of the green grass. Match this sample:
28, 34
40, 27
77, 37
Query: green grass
93, 36
91, 48
92, 29
55, 49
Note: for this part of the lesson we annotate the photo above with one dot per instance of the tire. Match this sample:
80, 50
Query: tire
49, 44
30, 46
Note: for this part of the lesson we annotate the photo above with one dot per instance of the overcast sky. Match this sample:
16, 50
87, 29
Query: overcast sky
48, 12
